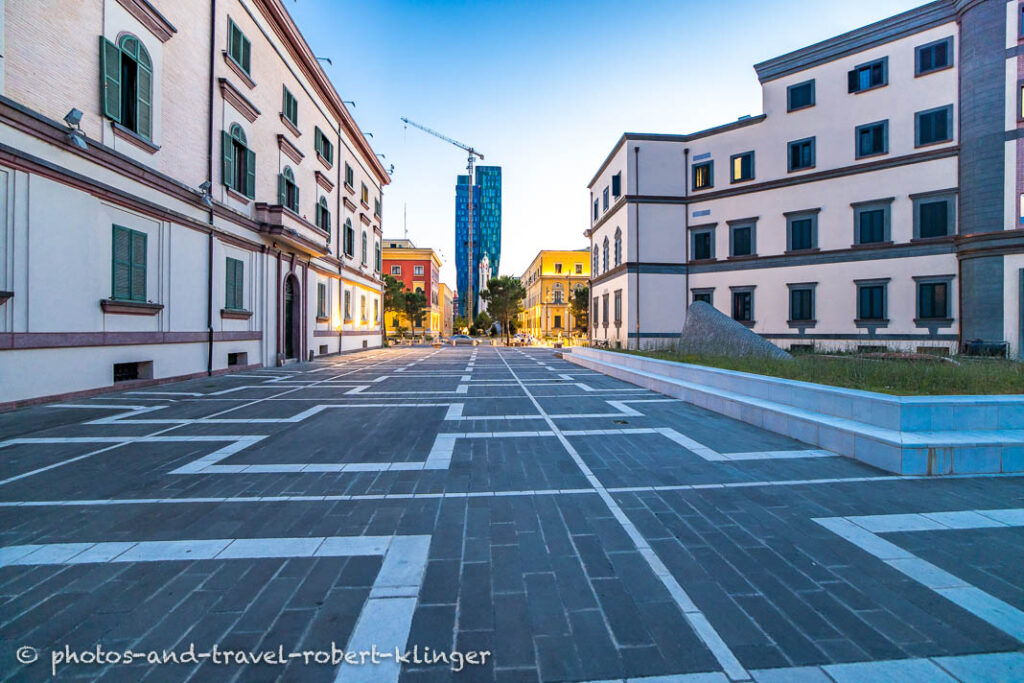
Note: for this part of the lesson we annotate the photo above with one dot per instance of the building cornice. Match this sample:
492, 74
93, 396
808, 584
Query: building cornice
148, 16
236, 99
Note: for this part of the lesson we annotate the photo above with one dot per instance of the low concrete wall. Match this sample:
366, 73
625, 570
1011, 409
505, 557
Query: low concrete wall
903, 434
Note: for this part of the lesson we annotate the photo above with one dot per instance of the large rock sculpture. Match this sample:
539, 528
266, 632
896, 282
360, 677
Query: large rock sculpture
709, 332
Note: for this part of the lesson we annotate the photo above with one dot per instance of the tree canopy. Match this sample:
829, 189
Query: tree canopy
504, 296
580, 307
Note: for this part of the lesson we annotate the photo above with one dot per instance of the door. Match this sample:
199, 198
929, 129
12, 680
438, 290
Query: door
291, 318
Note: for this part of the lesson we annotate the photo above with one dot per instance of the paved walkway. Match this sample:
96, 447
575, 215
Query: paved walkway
482, 500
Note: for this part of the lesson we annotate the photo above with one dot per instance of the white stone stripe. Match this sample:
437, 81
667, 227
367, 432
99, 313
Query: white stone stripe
862, 530
708, 635
123, 418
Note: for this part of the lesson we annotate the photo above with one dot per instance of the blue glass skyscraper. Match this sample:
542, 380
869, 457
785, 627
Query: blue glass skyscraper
486, 229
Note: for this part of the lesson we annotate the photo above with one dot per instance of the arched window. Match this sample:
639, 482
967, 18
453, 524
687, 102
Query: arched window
593, 268
376, 261
349, 240
604, 255
127, 74
364, 250
238, 167
323, 215
618, 246
287, 190
557, 293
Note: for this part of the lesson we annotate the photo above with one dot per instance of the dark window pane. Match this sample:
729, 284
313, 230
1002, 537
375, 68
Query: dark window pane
934, 217
872, 226
800, 304
870, 305
741, 242
702, 245
801, 234
932, 302
741, 306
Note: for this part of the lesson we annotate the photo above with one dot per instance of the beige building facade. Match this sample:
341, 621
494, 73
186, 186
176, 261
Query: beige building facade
182, 192
550, 281
873, 204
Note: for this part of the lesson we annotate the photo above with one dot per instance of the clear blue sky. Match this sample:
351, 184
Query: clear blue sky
544, 89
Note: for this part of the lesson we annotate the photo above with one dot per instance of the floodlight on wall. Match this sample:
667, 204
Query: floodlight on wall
204, 188
75, 135
73, 118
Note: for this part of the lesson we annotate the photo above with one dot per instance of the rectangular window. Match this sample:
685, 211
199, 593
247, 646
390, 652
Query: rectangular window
742, 240
871, 222
348, 305
801, 154
743, 306
364, 194
618, 307
703, 175
801, 304
290, 107
376, 207
933, 216
703, 245
872, 138
604, 309
239, 47
579, 269
417, 270
128, 265
558, 267
349, 177
871, 302
596, 210
321, 300
933, 300
396, 270
800, 96
597, 312
605, 198
933, 56
801, 231
867, 76
324, 147
933, 125
234, 271
705, 295
742, 167
617, 185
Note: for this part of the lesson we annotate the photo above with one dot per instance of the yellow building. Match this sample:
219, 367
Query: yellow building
550, 281
447, 310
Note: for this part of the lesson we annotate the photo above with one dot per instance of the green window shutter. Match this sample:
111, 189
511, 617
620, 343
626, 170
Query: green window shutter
250, 174
110, 79
282, 190
318, 144
138, 266
295, 204
227, 159
229, 283
246, 51
144, 102
121, 264
239, 282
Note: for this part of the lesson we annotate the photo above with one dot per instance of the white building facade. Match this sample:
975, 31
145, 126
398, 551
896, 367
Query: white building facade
874, 204
213, 206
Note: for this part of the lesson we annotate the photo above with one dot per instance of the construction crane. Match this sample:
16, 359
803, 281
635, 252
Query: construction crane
468, 296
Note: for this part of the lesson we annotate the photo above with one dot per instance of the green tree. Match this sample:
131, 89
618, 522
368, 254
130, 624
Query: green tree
394, 299
504, 296
460, 324
414, 303
580, 307
482, 323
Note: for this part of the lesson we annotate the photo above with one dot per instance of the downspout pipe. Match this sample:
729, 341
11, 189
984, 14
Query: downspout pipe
686, 231
639, 260
209, 179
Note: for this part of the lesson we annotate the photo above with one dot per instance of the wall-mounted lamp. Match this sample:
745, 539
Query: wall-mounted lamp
75, 135
352, 102
205, 188
325, 59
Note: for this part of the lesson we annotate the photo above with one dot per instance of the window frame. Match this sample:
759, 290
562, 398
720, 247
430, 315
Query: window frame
323, 214
789, 96
873, 205
395, 269
701, 230
618, 247
290, 113
702, 291
233, 166
884, 61
948, 109
617, 185
740, 224
132, 263
710, 164
350, 176
321, 300
740, 291
812, 141
949, 197
793, 216
732, 167
921, 281
811, 288
857, 154
872, 323
287, 188
617, 308
323, 146
948, 40
234, 284
245, 64
605, 198
417, 270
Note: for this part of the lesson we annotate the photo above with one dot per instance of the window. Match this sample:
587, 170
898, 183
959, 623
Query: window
364, 250
128, 270
349, 177
604, 309
801, 303
617, 184
557, 293
933, 125
703, 175
348, 305
618, 307
126, 74
238, 162
604, 255
239, 47
867, 76
364, 195
801, 230
933, 298
324, 147
596, 209
801, 154
705, 295
933, 215
871, 222
349, 239
579, 269
376, 247
417, 270
800, 96
702, 245
362, 308
376, 310
741, 239
321, 300
594, 268
376, 207
742, 167
290, 107
871, 139
558, 268
605, 198
743, 305
287, 190
933, 56
596, 312
871, 300
396, 270
618, 246
234, 271
323, 215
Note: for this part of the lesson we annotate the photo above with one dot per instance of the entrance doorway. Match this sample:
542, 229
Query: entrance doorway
292, 317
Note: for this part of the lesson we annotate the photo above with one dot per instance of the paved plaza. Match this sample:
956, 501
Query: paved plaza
469, 500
